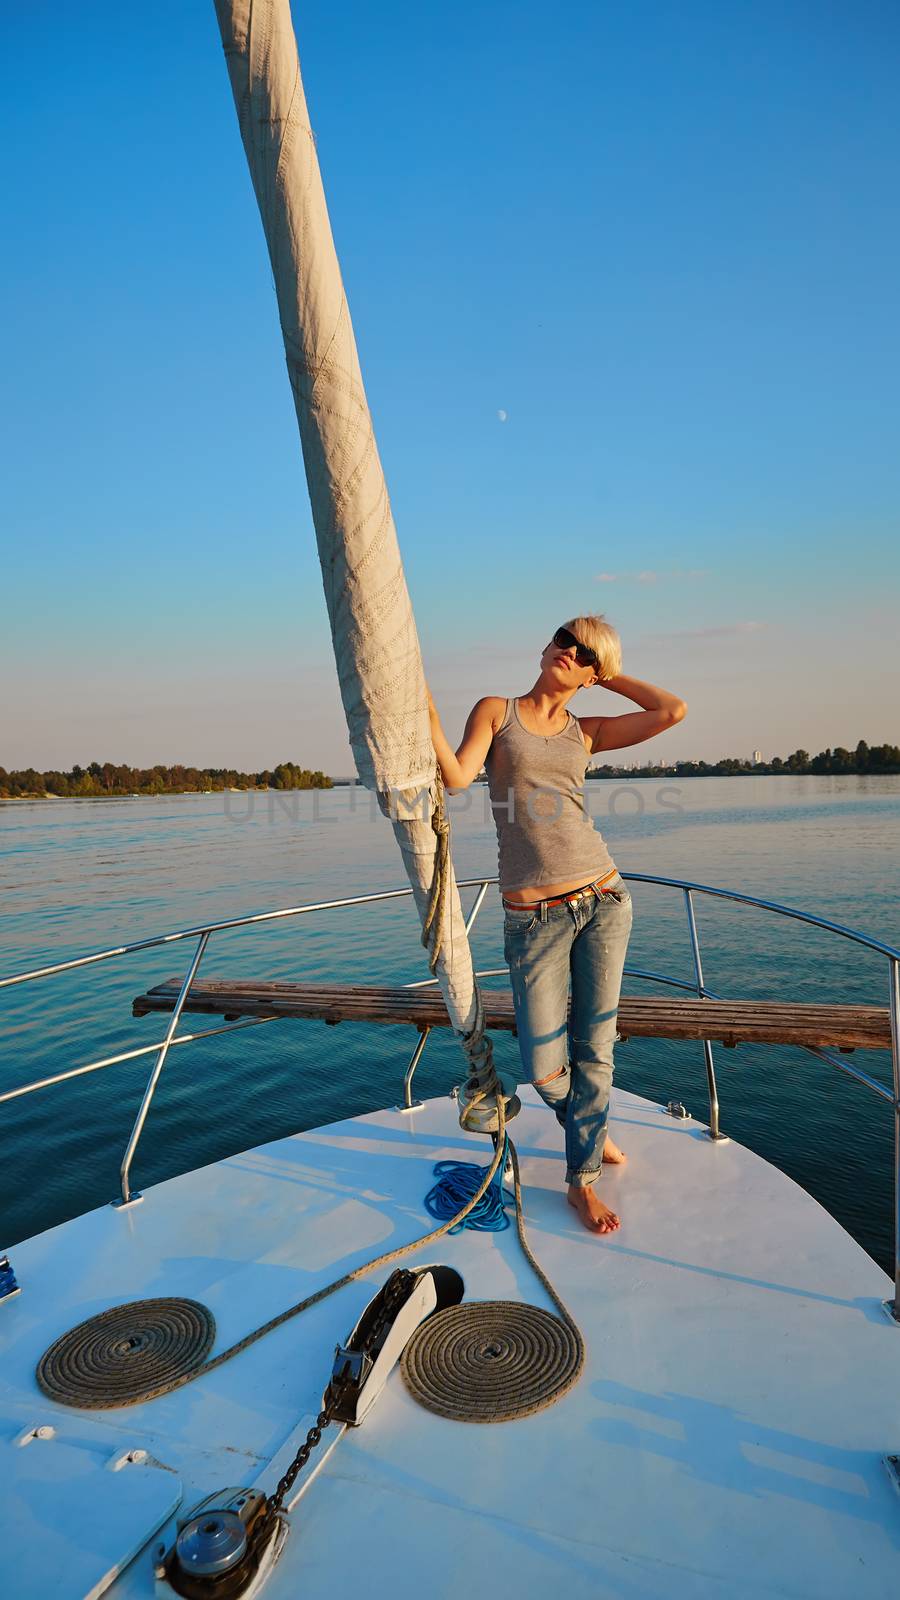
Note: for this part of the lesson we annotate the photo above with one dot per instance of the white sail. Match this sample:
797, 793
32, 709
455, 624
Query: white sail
375, 642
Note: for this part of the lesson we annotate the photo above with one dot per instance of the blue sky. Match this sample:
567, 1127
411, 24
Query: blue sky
661, 239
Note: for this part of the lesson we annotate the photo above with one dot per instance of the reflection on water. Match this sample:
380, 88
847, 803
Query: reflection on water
76, 876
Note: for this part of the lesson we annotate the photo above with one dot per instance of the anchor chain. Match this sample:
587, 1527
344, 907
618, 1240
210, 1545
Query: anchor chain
230, 1575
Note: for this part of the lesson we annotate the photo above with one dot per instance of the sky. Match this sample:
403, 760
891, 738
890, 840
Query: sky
623, 278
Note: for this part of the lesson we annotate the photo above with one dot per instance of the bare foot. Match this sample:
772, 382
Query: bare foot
613, 1154
593, 1213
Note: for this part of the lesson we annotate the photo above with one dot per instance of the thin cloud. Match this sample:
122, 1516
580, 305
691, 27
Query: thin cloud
677, 574
727, 630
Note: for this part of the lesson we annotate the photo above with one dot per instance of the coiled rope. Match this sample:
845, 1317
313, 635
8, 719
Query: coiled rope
457, 1182
494, 1360
111, 1359
490, 1361
147, 1348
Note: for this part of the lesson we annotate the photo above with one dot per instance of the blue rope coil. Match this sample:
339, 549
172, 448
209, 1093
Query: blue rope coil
457, 1182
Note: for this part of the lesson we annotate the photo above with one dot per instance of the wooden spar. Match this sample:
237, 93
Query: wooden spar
730, 1022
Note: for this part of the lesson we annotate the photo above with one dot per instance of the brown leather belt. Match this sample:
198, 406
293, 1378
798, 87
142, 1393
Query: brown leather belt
559, 899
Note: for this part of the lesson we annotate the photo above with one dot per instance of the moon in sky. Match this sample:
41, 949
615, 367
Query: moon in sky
502, 415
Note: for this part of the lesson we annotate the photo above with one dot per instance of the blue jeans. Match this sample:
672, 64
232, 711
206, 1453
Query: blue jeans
571, 1064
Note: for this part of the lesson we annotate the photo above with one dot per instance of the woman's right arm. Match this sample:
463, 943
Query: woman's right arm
460, 768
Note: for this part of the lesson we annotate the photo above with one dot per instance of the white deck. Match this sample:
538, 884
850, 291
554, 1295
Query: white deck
727, 1438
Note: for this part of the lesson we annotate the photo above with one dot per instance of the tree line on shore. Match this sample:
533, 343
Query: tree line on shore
107, 779
865, 758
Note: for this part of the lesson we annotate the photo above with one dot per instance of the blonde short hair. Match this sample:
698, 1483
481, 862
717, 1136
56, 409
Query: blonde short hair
601, 637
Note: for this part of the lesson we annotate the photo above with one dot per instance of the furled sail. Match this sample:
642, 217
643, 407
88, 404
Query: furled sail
375, 642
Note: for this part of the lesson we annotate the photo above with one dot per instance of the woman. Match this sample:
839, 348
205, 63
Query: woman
567, 910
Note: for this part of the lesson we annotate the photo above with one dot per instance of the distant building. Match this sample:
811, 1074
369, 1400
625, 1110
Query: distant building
757, 758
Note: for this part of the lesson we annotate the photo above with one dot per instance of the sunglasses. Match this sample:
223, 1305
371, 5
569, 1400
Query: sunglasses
584, 656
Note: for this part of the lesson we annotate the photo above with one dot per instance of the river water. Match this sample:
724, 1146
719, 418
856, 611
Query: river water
77, 876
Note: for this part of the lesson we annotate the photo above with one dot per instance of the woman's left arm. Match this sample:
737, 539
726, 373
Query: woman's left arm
661, 710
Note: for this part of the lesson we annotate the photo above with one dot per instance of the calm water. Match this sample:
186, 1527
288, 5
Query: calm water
76, 876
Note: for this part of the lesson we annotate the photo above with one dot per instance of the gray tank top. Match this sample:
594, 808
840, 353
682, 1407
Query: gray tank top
545, 833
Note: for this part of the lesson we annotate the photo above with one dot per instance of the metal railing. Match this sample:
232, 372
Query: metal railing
697, 986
